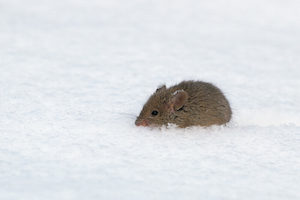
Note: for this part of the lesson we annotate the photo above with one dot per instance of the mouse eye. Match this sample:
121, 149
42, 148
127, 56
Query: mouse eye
154, 113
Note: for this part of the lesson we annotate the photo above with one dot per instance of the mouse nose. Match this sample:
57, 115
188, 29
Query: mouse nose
141, 123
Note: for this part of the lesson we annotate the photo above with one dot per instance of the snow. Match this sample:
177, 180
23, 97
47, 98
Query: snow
74, 74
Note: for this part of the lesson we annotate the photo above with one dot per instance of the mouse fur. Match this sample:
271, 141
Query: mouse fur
189, 103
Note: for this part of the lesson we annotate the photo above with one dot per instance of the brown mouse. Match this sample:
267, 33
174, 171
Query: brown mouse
189, 103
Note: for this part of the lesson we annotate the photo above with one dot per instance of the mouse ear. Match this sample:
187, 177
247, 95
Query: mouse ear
161, 87
178, 100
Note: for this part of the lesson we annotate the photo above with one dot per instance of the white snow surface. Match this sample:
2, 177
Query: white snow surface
74, 74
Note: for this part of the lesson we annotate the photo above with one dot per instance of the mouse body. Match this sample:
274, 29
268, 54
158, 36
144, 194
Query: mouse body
189, 103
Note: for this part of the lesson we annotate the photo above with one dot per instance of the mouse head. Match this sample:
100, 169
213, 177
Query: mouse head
161, 106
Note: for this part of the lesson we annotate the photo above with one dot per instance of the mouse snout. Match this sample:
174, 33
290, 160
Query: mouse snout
142, 122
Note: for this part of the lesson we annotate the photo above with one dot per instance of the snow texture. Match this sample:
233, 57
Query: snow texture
74, 74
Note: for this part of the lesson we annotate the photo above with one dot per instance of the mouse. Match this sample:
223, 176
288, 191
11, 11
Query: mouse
189, 103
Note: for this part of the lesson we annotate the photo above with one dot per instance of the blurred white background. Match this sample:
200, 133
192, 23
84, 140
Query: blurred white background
74, 74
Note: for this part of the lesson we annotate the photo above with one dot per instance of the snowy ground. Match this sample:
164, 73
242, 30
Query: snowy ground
73, 74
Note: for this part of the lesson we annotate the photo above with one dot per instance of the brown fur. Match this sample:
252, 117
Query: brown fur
189, 103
